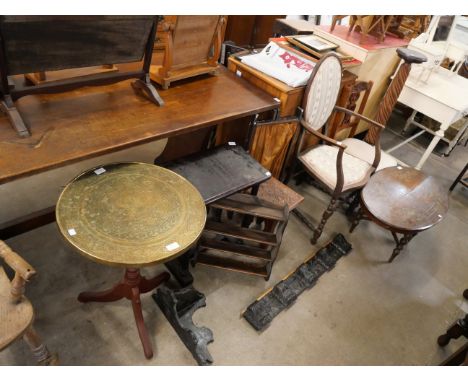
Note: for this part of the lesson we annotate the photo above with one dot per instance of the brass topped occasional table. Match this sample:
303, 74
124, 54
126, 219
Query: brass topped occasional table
130, 215
403, 200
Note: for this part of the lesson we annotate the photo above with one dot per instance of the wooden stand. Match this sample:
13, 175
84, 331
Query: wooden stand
57, 38
192, 45
132, 285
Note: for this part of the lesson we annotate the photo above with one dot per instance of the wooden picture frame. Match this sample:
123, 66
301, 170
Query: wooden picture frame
31, 44
191, 45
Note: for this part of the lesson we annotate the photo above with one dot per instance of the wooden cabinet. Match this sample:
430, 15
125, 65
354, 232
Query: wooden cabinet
250, 30
289, 97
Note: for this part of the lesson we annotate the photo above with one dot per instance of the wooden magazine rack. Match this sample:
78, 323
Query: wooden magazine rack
31, 44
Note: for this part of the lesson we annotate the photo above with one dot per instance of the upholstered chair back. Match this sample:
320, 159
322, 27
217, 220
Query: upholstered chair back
322, 91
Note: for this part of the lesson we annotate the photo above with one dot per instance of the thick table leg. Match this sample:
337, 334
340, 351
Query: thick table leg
400, 244
437, 137
130, 287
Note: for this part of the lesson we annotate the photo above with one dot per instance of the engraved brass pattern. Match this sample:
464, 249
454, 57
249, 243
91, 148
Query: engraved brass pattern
131, 214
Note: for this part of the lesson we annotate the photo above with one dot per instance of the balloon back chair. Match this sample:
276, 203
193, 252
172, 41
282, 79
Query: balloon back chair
341, 167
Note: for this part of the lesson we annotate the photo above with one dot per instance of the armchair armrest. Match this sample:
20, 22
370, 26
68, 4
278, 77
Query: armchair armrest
339, 158
16, 262
359, 116
323, 136
377, 155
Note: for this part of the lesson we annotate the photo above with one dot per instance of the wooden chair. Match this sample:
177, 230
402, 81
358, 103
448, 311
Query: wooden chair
370, 23
342, 167
16, 312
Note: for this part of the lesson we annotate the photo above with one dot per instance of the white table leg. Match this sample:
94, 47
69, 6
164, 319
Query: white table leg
459, 135
437, 137
409, 121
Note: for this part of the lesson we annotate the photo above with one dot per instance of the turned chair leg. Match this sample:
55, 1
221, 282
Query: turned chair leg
39, 350
326, 215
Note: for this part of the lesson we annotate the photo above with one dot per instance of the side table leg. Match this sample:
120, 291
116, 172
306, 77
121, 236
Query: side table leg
140, 323
357, 218
147, 285
130, 287
112, 294
401, 244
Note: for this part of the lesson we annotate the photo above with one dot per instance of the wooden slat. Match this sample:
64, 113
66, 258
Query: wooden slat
251, 205
233, 265
238, 249
241, 233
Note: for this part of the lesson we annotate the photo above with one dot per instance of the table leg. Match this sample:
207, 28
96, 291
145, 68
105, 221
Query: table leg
357, 218
353, 203
400, 244
457, 138
132, 285
437, 137
409, 121
140, 323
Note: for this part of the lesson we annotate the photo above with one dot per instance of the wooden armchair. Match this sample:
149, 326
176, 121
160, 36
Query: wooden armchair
16, 312
341, 167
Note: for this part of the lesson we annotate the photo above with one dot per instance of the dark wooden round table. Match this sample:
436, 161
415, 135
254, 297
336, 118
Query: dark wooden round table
403, 200
130, 215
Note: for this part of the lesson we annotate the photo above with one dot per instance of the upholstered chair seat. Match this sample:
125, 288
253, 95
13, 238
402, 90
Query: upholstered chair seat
365, 151
321, 161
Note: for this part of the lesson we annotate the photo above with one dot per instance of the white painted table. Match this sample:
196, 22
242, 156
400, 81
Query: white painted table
444, 97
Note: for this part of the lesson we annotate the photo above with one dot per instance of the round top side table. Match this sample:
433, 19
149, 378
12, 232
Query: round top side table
130, 215
403, 200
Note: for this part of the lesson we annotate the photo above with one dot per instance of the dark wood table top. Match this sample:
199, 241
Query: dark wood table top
88, 122
405, 199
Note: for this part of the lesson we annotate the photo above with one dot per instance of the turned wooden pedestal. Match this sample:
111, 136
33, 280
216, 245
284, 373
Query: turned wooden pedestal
132, 285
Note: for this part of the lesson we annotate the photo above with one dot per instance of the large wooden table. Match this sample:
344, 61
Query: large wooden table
89, 122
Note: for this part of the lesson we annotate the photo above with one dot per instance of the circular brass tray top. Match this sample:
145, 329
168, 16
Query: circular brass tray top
130, 214
405, 198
